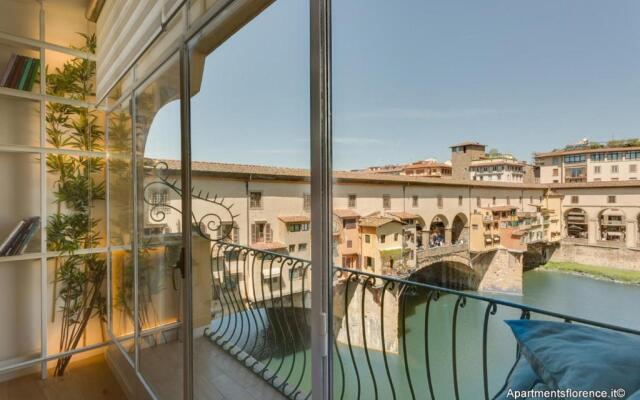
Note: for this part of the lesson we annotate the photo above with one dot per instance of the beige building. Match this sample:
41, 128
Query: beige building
430, 168
499, 169
589, 163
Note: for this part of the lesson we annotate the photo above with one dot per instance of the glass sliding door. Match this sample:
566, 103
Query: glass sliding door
158, 230
251, 202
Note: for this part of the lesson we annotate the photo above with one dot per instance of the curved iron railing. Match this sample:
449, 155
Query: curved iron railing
261, 318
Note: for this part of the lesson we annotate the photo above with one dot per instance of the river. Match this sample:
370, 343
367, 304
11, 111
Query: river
580, 296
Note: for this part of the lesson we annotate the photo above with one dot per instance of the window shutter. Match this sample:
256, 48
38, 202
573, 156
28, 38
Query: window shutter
268, 233
236, 234
253, 233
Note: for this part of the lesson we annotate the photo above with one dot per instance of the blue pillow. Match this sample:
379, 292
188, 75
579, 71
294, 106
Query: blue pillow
521, 377
573, 356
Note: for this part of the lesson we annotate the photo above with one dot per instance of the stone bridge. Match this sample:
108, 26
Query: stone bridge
496, 270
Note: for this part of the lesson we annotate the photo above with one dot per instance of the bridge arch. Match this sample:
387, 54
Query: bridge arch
576, 222
460, 229
437, 231
612, 225
449, 274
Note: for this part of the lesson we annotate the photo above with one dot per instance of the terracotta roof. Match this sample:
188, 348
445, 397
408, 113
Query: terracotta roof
426, 164
345, 213
268, 245
494, 161
294, 218
261, 172
501, 208
403, 215
580, 151
468, 143
375, 221
601, 184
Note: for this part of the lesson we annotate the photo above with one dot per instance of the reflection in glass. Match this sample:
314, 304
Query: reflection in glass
159, 237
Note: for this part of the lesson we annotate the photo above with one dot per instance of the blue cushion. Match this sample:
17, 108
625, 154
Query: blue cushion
521, 377
573, 356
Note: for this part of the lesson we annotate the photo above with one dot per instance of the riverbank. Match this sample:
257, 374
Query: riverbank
594, 271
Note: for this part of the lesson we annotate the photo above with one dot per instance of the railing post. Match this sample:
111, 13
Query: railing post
321, 199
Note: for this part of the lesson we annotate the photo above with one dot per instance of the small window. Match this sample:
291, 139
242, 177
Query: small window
614, 169
555, 172
306, 201
302, 247
596, 169
349, 244
633, 168
478, 202
383, 238
474, 227
493, 201
611, 199
460, 200
574, 199
386, 201
414, 201
370, 262
395, 237
160, 202
352, 201
520, 199
367, 238
292, 248
508, 200
255, 200
440, 201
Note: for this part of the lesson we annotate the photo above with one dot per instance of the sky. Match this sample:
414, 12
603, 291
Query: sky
411, 78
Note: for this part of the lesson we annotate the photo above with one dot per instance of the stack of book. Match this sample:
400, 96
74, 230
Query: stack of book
20, 237
21, 72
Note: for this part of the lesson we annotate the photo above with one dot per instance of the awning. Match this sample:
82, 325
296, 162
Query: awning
271, 273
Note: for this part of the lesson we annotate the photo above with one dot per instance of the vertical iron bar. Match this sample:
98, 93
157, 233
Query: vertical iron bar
431, 296
364, 335
346, 320
460, 303
403, 302
384, 347
490, 310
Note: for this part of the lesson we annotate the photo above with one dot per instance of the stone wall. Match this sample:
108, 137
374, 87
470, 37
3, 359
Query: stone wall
372, 316
499, 271
597, 254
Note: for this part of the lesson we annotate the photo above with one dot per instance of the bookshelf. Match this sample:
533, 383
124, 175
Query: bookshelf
47, 31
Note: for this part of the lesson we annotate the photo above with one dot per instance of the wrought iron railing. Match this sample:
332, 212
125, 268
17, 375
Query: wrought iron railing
261, 317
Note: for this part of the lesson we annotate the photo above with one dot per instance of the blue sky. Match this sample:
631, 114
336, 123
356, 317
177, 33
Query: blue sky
411, 78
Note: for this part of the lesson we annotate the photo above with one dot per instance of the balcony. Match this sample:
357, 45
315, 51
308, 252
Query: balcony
373, 355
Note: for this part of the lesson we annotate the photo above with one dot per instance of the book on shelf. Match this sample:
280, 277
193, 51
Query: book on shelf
20, 73
19, 238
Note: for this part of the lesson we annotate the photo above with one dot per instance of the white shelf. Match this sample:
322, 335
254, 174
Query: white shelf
23, 94
51, 254
35, 44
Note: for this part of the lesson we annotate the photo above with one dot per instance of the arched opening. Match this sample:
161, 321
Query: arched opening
612, 225
437, 230
449, 274
577, 223
459, 230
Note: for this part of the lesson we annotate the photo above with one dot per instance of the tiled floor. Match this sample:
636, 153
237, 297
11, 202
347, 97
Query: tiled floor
217, 375
90, 378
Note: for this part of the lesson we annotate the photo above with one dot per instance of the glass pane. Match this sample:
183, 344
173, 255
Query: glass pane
76, 309
251, 204
120, 152
20, 303
72, 77
473, 152
122, 300
19, 67
21, 18
159, 230
20, 219
75, 202
19, 121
